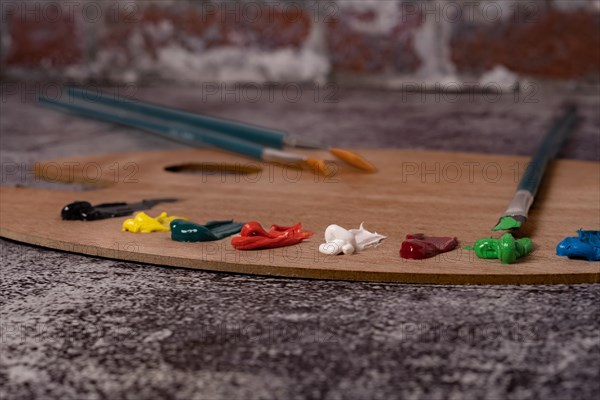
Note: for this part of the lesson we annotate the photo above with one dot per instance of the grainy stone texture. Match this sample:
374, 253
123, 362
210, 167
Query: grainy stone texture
76, 327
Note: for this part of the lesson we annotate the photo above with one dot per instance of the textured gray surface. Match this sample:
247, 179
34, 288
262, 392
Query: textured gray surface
79, 327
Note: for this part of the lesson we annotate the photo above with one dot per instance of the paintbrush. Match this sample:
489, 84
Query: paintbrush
265, 136
187, 135
516, 214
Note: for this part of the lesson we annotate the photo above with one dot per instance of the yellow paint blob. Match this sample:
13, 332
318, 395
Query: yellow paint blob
144, 223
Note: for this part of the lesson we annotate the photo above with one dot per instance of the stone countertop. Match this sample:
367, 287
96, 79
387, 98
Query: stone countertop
81, 327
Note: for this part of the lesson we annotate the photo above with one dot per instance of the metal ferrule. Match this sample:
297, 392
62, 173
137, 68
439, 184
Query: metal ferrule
292, 141
274, 155
520, 204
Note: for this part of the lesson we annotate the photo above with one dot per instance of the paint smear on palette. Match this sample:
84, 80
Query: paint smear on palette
143, 223
507, 248
254, 237
507, 223
348, 241
84, 211
419, 247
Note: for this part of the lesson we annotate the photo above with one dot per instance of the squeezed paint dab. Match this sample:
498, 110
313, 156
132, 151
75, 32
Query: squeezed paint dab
84, 211
507, 248
340, 240
185, 231
586, 246
144, 223
419, 246
507, 223
254, 237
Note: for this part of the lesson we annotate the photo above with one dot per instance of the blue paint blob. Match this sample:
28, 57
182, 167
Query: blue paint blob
586, 246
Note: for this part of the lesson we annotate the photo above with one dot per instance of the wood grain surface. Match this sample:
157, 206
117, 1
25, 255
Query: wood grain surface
449, 194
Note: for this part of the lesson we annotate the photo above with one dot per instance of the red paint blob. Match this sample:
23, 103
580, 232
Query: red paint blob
419, 246
254, 237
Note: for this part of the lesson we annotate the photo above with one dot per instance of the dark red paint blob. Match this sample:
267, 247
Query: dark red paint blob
419, 246
254, 237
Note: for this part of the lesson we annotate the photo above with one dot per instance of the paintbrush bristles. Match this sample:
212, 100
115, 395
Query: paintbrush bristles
317, 165
353, 159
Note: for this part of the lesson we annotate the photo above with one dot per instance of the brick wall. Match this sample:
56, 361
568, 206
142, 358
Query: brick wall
284, 40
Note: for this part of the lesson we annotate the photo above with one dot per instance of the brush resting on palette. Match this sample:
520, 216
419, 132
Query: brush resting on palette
195, 129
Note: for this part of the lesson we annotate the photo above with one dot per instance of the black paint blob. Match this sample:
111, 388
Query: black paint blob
84, 211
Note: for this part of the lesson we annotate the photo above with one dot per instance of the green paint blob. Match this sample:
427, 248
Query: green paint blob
507, 223
507, 248
185, 231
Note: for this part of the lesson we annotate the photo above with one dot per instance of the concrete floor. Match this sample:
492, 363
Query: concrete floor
79, 327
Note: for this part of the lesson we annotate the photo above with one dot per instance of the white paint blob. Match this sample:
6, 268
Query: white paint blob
340, 240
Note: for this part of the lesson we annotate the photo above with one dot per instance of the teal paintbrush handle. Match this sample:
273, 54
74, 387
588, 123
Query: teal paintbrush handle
530, 181
259, 135
189, 136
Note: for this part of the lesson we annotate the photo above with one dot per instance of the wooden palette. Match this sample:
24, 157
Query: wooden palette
431, 192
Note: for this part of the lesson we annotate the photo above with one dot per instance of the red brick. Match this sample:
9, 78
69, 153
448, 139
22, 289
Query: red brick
360, 52
272, 29
556, 45
278, 28
42, 39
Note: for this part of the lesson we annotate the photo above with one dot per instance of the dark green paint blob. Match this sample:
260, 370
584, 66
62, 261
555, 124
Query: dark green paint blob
507, 223
507, 248
186, 231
